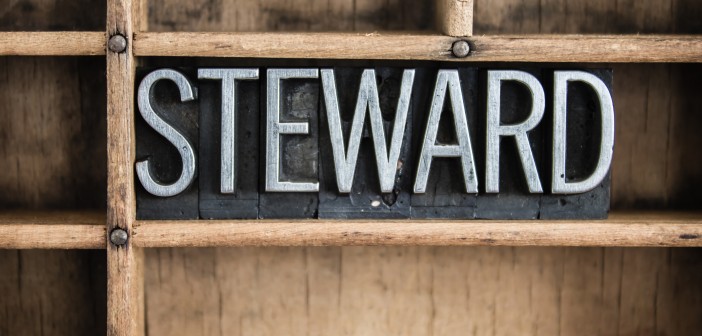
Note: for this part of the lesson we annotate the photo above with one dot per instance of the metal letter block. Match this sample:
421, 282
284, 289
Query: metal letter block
445, 194
229, 160
296, 153
365, 134
584, 127
160, 159
514, 200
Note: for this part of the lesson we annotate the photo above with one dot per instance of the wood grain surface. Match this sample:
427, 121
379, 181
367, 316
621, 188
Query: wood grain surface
620, 230
53, 134
125, 298
278, 15
454, 17
423, 291
396, 46
52, 230
52, 292
52, 43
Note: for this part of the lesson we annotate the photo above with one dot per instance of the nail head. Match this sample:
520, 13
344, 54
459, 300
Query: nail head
118, 237
460, 49
117, 43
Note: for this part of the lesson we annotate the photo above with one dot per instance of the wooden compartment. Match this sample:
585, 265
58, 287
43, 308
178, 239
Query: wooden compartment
52, 152
462, 290
423, 291
52, 164
49, 292
269, 277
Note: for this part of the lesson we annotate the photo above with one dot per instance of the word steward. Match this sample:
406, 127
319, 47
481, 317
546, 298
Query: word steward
362, 131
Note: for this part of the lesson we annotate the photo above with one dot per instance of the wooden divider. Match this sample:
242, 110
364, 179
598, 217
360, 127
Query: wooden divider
397, 46
628, 229
125, 297
454, 17
52, 43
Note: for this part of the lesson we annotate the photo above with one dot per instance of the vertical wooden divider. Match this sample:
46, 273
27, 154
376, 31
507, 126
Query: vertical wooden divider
125, 293
454, 17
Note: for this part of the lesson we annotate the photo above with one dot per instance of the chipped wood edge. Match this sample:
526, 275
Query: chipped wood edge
380, 46
455, 17
64, 43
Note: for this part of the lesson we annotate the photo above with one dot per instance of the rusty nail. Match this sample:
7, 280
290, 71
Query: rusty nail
118, 237
117, 43
460, 48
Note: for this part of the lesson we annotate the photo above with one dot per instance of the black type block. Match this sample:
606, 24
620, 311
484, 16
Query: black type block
514, 201
164, 161
243, 203
446, 195
583, 138
365, 199
299, 154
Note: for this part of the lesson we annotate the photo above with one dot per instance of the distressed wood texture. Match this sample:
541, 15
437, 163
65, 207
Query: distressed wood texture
52, 230
52, 155
52, 15
424, 291
52, 152
125, 312
395, 46
454, 17
52, 43
280, 15
638, 229
52, 292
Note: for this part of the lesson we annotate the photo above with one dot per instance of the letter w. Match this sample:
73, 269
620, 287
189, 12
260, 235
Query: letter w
345, 162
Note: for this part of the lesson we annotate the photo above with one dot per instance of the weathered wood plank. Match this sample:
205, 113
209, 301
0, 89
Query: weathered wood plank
52, 43
498, 48
52, 229
666, 229
54, 236
125, 312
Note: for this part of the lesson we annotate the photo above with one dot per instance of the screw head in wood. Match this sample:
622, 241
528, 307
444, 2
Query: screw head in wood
460, 48
119, 237
117, 43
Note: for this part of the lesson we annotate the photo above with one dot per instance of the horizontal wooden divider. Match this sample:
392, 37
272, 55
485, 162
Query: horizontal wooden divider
52, 230
630, 229
67, 43
397, 46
